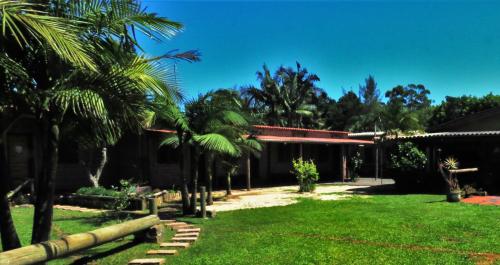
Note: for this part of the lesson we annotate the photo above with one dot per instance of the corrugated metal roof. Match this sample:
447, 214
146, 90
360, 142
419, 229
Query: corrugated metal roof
450, 134
284, 139
365, 134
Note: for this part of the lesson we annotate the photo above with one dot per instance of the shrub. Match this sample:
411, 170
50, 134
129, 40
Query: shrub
356, 161
408, 163
306, 173
97, 191
408, 157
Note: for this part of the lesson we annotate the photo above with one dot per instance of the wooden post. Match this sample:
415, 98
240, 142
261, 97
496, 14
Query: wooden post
53, 249
203, 202
248, 172
153, 207
301, 152
343, 163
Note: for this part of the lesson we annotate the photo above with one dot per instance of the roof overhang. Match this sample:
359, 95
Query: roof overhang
310, 140
161, 131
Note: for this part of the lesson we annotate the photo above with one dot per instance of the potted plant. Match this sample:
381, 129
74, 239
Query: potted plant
454, 192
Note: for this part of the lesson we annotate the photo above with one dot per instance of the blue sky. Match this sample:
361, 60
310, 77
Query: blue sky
452, 47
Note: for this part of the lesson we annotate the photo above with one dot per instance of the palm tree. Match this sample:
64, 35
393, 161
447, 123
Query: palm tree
287, 95
207, 127
71, 41
225, 100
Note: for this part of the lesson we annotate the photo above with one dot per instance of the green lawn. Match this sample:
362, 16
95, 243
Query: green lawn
395, 229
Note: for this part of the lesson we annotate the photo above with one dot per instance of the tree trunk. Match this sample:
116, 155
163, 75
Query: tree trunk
184, 179
228, 187
194, 180
42, 221
10, 239
95, 168
209, 179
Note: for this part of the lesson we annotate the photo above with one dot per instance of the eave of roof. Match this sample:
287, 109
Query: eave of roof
311, 140
161, 131
450, 134
278, 128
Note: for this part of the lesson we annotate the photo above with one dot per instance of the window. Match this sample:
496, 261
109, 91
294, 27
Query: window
167, 155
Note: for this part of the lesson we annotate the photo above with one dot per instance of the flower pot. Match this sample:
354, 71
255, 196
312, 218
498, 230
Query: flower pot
453, 196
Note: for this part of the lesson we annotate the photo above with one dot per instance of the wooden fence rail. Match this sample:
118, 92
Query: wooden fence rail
53, 249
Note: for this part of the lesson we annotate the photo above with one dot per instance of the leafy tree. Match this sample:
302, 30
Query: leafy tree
456, 107
371, 106
408, 107
343, 114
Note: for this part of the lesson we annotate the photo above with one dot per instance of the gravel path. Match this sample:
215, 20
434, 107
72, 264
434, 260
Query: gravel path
280, 196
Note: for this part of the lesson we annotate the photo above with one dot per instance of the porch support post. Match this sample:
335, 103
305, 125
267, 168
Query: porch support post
248, 172
343, 162
300, 151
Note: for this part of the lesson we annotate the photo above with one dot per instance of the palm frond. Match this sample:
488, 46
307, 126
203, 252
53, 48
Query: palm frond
12, 67
171, 140
217, 143
84, 103
25, 23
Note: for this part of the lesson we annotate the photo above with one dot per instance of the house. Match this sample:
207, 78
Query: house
140, 158
474, 140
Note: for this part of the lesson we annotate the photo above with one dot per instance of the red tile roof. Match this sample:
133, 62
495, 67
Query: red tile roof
160, 130
279, 128
277, 134
312, 140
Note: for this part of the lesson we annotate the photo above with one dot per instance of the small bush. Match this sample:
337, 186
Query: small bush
306, 173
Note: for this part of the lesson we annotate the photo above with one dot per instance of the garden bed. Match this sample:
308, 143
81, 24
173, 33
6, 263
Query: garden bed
136, 203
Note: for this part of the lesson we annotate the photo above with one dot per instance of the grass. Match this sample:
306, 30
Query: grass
384, 229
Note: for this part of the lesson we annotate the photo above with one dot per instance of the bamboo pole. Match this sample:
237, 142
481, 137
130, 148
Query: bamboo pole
53, 249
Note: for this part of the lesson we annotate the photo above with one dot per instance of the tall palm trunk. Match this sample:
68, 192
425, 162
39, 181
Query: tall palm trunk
42, 221
209, 164
10, 239
194, 179
184, 180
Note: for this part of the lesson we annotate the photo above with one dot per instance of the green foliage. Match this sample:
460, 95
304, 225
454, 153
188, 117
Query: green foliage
408, 108
97, 191
285, 98
356, 161
122, 198
121, 194
306, 174
456, 107
407, 157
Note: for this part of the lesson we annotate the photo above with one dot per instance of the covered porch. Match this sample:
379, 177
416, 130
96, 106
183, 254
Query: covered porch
328, 149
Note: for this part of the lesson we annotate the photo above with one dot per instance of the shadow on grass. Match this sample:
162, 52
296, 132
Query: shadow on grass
94, 254
386, 189
100, 219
